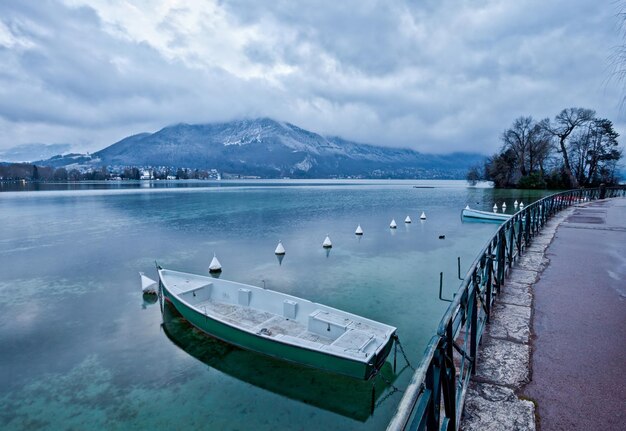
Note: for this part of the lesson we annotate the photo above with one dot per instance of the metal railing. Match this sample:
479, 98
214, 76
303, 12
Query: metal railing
435, 396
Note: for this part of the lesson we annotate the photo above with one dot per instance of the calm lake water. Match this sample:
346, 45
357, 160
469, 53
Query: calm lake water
82, 349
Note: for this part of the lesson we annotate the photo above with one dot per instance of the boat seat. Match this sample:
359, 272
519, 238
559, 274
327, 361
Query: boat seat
328, 324
195, 295
354, 340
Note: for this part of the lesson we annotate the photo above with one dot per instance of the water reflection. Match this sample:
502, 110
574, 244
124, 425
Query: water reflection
339, 394
148, 300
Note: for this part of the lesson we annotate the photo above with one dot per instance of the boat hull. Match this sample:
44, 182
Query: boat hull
484, 215
301, 355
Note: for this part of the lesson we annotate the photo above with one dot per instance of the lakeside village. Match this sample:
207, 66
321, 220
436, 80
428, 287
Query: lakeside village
27, 172
22, 172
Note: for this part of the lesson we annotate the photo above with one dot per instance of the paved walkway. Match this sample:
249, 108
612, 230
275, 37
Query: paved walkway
579, 323
578, 338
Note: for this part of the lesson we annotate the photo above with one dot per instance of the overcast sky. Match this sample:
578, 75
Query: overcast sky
433, 75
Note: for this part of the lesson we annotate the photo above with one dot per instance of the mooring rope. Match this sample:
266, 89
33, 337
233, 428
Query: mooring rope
406, 358
393, 387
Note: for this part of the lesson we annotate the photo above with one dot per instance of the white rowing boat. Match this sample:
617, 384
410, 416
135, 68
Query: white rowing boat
484, 215
280, 325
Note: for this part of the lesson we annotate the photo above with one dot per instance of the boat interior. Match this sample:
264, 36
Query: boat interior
281, 317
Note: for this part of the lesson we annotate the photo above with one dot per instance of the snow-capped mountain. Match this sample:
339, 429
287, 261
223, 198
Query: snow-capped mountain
270, 148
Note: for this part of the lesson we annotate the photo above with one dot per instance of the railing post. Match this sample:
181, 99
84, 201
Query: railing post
602, 191
527, 228
488, 287
501, 257
519, 236
473, 327
511, 243
433, 383
449, 385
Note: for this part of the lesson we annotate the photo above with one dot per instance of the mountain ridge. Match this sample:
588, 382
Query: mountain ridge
269, 148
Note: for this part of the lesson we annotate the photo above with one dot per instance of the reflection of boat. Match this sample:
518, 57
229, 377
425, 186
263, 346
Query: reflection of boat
280, 325
469, 213
340, 394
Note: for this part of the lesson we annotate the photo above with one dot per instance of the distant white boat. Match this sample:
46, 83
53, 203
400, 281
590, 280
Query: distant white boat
484, 215
280, 325
148, 285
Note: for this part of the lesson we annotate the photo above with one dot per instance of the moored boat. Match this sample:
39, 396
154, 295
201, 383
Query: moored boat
280, 325
484, 215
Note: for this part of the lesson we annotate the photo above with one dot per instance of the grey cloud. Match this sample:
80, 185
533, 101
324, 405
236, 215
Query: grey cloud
32, 152
437, 76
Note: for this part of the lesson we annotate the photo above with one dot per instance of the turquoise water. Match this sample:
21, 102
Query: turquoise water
82, 349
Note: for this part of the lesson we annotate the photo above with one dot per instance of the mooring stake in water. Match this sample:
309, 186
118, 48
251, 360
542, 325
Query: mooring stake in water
441, 288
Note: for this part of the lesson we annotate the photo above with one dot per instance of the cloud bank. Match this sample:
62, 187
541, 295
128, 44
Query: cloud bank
435, 76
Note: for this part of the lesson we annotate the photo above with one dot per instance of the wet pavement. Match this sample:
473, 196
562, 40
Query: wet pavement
579, 323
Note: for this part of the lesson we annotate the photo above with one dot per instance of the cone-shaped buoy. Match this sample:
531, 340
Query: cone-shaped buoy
467, 207
503, 206
515, 204
423, 216
407, 219
148, 285
327, 243
393, 224
359, 230
495, 208
521, 205
215, 265
280, 250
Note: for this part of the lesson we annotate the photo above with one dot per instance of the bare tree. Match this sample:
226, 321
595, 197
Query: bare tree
540, 146
530, 142
565, 123
618, 57
594, 152
518, 138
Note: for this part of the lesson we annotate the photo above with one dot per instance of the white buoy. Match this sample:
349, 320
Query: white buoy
423, 216
495, 208
327, 243
521, 205
280, 250
215, 265
467, 207
358, 230
407, 219
148, 285
393, 224
503, 206
515, 204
